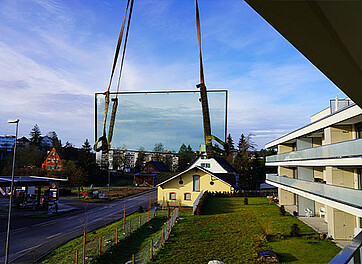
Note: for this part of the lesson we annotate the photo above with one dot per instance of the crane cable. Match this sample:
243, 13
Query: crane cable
203, 93
115, 101
103, 139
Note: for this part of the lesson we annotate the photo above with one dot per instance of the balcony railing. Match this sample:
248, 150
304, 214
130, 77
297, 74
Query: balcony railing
351, 148
348, 196
352, 253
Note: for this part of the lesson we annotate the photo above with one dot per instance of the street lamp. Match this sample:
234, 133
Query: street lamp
13, 121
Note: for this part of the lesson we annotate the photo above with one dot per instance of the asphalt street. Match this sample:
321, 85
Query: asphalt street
33, 238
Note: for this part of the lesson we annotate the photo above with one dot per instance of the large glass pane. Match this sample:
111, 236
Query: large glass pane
172, 118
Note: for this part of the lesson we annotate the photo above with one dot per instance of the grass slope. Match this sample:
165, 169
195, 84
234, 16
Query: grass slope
232, 232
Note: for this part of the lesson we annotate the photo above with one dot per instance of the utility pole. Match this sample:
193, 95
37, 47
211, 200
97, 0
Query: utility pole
16, 121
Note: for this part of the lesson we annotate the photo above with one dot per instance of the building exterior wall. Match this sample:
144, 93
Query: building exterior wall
174, 186
327, 127
53, 162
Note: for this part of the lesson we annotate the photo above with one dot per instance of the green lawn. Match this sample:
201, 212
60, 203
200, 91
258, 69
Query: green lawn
232, 232
122, 252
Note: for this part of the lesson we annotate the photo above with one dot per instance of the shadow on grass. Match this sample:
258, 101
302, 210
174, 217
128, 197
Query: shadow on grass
286, 257
122, 252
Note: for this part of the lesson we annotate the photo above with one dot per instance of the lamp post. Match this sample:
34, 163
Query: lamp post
13, 121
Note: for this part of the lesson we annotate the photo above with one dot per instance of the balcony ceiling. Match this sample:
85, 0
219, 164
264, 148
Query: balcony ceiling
327, 33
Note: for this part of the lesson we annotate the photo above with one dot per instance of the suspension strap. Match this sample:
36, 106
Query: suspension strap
103, 138
115, 100
203, 93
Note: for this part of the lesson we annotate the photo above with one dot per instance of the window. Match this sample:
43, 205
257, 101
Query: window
172, 196
196, 187
205, 165
187, 196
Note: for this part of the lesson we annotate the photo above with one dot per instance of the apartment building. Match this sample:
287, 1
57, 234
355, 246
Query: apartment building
7, 143
319, 168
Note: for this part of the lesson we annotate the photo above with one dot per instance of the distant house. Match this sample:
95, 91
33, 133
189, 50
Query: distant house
23, 142
53, 162
46, 142
151, 173
214, 175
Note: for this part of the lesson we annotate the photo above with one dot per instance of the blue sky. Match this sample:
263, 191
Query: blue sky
54, 55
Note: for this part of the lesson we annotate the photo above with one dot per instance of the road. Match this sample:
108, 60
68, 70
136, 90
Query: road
32, 239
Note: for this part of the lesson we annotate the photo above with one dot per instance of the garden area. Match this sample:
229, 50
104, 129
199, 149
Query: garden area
232, 231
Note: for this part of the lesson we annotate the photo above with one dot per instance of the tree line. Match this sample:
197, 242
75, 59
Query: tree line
79, 165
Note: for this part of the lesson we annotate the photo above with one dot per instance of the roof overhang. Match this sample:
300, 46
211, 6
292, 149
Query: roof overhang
327, 33
340, 117
193, 168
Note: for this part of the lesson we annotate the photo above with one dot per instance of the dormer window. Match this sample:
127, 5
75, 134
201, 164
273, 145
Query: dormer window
205, 165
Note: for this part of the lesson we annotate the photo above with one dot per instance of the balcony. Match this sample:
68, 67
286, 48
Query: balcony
345, 199
347, 149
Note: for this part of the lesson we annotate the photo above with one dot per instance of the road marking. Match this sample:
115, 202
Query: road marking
45, 224
72, 217
19, 229
57, 234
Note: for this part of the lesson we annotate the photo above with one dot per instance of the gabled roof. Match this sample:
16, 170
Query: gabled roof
227, 178
226, 166
159, 166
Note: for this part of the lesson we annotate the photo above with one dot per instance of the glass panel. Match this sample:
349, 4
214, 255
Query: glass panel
351, 148
172, 118
344, 195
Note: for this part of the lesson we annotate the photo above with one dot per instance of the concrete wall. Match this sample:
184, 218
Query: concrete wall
335, 134
343, 177
285, 171
285, 197
284, 148
187, 187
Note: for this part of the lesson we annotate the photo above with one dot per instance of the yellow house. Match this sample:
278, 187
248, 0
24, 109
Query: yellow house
214, 175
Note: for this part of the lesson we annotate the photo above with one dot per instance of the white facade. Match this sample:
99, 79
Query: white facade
319, 168
7, 143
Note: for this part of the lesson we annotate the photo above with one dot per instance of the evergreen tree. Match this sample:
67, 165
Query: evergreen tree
158, 148
141, 157
244, 160
186, 155
57, 144
229, 146
35, 135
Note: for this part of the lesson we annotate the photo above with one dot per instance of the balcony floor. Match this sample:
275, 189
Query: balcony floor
317, 223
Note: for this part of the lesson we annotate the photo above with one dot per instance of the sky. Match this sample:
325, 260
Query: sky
55, 55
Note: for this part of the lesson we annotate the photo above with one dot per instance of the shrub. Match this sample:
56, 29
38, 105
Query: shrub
201, 205
246, 201
140, 209
282, 210
295, 230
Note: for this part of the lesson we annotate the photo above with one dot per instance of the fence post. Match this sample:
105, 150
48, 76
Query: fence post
129, 228
124, 217
148, 218
84, 241
163, 235
116, 235
132, 258
76, 256
140, 220
155, 212
149, 208
151, 249
100, 246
